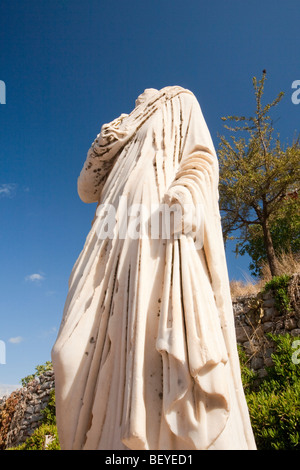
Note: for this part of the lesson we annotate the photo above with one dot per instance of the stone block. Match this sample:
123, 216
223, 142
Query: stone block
267, 295
262, 373
290, 324
268, 303
250, 347
35, 418
243, 333
268, 362
268, 326
256, 362
279, 325
269, 314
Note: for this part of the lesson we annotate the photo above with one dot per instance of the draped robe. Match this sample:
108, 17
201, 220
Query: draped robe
146, 355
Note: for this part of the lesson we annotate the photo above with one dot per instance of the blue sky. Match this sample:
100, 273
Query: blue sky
71, 65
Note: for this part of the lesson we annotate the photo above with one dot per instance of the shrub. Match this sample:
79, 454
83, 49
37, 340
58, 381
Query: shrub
279, 286
49, 415
275, 417
247, 374
275, 407
6, 414
285, 371
37, 440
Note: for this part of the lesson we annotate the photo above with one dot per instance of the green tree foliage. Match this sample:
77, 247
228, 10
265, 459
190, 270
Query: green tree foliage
259, 178
285, 230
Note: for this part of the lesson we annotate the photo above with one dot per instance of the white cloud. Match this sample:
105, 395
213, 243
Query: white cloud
7, 389
8, 190
50, 293
15, 340
46, 333
34, 277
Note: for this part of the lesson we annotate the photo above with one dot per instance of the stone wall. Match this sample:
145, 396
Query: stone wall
257, 315
27, 414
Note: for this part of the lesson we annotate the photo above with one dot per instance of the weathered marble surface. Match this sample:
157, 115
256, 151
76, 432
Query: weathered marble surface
146, 354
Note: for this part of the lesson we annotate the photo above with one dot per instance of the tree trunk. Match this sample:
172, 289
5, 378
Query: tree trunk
269, 248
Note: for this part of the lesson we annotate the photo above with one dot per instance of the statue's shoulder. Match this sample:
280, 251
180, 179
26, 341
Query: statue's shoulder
174, 91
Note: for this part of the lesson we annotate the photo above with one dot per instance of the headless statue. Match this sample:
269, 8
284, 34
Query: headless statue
146, 355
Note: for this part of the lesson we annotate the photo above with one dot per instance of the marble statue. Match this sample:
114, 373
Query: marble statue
146, 355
